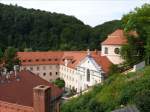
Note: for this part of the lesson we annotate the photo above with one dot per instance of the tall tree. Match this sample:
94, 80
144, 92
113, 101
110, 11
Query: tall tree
10, 58
139, 21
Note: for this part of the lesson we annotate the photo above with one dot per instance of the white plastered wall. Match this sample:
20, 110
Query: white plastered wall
112, 56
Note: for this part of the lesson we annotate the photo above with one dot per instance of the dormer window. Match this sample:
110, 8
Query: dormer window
56, 59
106, 50
23, 60
29, 60
73, 61
37, 60
49, 59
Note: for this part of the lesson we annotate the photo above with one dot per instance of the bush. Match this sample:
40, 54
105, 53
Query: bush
59, 82
142, 100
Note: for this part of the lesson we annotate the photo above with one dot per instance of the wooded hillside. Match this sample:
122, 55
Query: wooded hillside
40, 30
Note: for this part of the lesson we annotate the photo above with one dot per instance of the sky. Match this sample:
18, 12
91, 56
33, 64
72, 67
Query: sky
91, 12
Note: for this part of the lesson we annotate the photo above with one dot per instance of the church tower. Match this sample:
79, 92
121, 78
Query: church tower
112, 45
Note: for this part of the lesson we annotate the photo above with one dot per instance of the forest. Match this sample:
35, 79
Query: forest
36, 30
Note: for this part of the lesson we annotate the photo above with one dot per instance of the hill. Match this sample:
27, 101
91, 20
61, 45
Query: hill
40, 30
106, 28
117, 91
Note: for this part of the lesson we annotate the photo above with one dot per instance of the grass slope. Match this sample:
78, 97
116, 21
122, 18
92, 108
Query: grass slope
117, 91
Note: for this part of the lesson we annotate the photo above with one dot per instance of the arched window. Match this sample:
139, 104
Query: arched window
88, 75
106, 50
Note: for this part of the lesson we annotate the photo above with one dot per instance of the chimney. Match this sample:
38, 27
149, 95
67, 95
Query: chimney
42, 98
66, 62
88, 52
96, 51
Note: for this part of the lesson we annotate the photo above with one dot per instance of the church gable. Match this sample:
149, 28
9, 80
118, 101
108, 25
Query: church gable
89, 63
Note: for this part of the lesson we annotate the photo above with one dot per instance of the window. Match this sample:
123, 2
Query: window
56, 73
29, 60
38, 68
49, 59
117, 50
50, 73
106, 50
24, 68
37, 60
31, 68
56, 59
44, 67
88, 75
44, 74
23, 60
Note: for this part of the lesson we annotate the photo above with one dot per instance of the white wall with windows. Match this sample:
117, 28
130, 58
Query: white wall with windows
112, 52
47, 72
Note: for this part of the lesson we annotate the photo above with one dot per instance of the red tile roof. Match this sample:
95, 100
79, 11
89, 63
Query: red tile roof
117, 38
102, 61
77, 56
21, 92
74, 56
35, 58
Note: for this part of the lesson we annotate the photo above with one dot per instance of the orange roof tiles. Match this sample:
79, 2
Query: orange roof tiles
74, 57
21, 92
102, 61
34, 58
116, 38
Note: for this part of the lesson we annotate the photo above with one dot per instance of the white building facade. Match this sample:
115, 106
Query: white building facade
87, 73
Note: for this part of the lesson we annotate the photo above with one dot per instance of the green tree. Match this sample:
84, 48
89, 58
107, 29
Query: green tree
59, 82
10, 58
113, 69
138, 20
1, 53
41, 30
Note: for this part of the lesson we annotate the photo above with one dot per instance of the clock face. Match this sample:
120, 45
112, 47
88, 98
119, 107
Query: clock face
117, 50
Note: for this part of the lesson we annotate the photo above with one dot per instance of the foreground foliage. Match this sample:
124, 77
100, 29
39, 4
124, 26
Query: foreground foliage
118, 91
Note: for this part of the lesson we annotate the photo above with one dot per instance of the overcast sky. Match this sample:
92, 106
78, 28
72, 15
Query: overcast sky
91, 12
